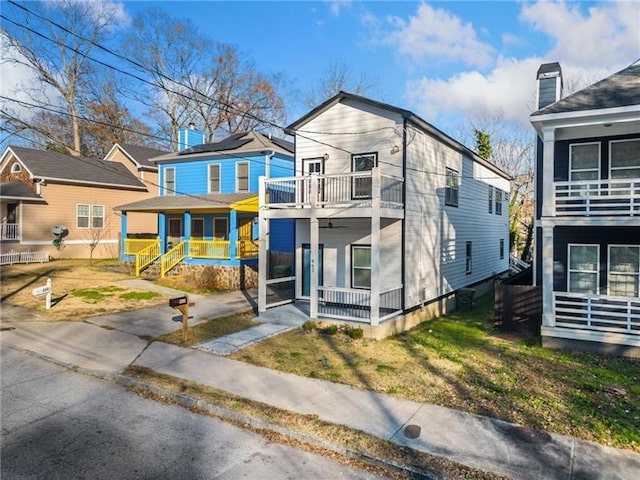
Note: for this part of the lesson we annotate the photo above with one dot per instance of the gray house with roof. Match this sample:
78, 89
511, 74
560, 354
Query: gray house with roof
587, 215
42, 192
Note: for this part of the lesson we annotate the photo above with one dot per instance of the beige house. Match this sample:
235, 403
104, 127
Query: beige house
64, 204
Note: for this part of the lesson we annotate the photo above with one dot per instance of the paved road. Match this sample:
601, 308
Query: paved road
58, 424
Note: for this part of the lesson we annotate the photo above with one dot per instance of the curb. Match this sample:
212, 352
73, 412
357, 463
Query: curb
223, 414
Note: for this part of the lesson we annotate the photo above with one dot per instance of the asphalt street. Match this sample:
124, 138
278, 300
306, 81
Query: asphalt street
59, 424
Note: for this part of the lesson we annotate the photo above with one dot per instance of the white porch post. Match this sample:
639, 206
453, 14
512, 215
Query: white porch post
375, 246
314, 237
548, 190
548, 316
263, 245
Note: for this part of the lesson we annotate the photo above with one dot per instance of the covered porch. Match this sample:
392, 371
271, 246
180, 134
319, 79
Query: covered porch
13, 196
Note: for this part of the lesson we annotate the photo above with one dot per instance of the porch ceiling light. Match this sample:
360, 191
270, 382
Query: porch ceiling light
395, 149
326, 156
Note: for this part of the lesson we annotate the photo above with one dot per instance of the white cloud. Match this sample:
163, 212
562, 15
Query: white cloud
336, 6
436, 34
605, 36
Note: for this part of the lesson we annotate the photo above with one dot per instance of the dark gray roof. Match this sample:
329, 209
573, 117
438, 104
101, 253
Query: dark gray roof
622, 89
142, 154
409, 115
549, 68
181, 202
239, 143
53, 166
18, 191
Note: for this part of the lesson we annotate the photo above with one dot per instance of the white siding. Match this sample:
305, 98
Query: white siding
436, 234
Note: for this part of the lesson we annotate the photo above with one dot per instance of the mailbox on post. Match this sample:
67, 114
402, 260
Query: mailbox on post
182, 304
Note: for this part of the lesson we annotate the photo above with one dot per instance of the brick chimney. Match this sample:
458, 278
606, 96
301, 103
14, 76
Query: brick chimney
549, 84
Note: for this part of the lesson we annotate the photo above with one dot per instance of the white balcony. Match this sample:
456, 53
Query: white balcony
10, 231
603, 313
598, 198
344, 191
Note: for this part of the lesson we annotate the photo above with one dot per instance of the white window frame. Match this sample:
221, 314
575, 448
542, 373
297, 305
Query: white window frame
450, 190
226, 221
491, 198
571, 169
90, 216
611, 169
16, 168
169, 191
353, 266
87, 216
238, 178
609, 272
94, 217
468, 257
569, 271
499, 195
209, 178
360, 185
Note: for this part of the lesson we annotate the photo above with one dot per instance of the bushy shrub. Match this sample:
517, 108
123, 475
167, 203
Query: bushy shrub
355, 333
309, 326
330, 329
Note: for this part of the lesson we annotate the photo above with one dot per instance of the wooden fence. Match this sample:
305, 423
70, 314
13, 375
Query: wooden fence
518, 308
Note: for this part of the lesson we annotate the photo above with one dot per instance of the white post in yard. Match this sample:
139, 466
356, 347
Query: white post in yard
263, 245
314, 239
48, 298
375, 246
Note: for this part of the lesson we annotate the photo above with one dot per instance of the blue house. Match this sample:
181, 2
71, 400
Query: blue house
207, 206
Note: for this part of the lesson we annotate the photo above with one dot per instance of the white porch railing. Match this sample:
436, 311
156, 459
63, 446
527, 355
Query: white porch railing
12, 257
10, 231
604, 313
598, 197
355, 304
348, 189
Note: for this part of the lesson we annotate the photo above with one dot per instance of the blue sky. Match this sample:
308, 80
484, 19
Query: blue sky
448, 61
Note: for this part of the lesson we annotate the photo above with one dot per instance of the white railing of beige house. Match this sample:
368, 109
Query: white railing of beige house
598, 197
12, 257
605, 313
355, 304
348, 189
10, 231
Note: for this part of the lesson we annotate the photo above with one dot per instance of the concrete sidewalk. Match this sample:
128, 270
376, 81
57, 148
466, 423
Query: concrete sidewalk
472, 440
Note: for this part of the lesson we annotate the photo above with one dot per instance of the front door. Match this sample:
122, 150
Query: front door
306, 268
313, 166
175, 232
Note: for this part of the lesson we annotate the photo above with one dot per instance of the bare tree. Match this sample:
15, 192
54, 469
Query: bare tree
56, 57
337, 77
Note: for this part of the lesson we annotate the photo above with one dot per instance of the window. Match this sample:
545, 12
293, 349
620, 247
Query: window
214, 178
624, 270
625, 159
361, 266
242, 177
82, 216
501, 248
583, 268
468, 258
363, 162
584, 162
170, 181
498, 201
197, 228
89, 216
97, 216
220, 229
451, 189
490, 199
16, 168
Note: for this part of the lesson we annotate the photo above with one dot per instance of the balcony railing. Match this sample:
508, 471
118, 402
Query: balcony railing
604, 313
598, 197
348, 189
10, 231
212, 249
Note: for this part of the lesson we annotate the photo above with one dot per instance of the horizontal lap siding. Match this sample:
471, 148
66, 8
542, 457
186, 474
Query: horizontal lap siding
353, 130
436, 234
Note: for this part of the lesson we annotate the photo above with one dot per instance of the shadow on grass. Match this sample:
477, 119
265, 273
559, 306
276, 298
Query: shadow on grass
28, 284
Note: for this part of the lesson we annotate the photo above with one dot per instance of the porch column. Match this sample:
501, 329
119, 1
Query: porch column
375, 246
123, 234
233, 234
187, 231
162, 232
548, 190
314, 240
548, 316
263, 245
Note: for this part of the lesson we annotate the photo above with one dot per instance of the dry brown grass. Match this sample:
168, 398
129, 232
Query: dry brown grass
79, 290
214, 328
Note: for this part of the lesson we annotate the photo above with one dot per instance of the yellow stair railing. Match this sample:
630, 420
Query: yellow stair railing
172, 258
247, 249
147, 256
134, 245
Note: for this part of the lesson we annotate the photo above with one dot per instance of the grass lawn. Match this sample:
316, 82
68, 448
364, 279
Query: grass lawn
457, 362
79, 289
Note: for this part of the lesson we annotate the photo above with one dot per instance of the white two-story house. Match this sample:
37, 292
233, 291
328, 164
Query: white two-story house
392, 217
588, 212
